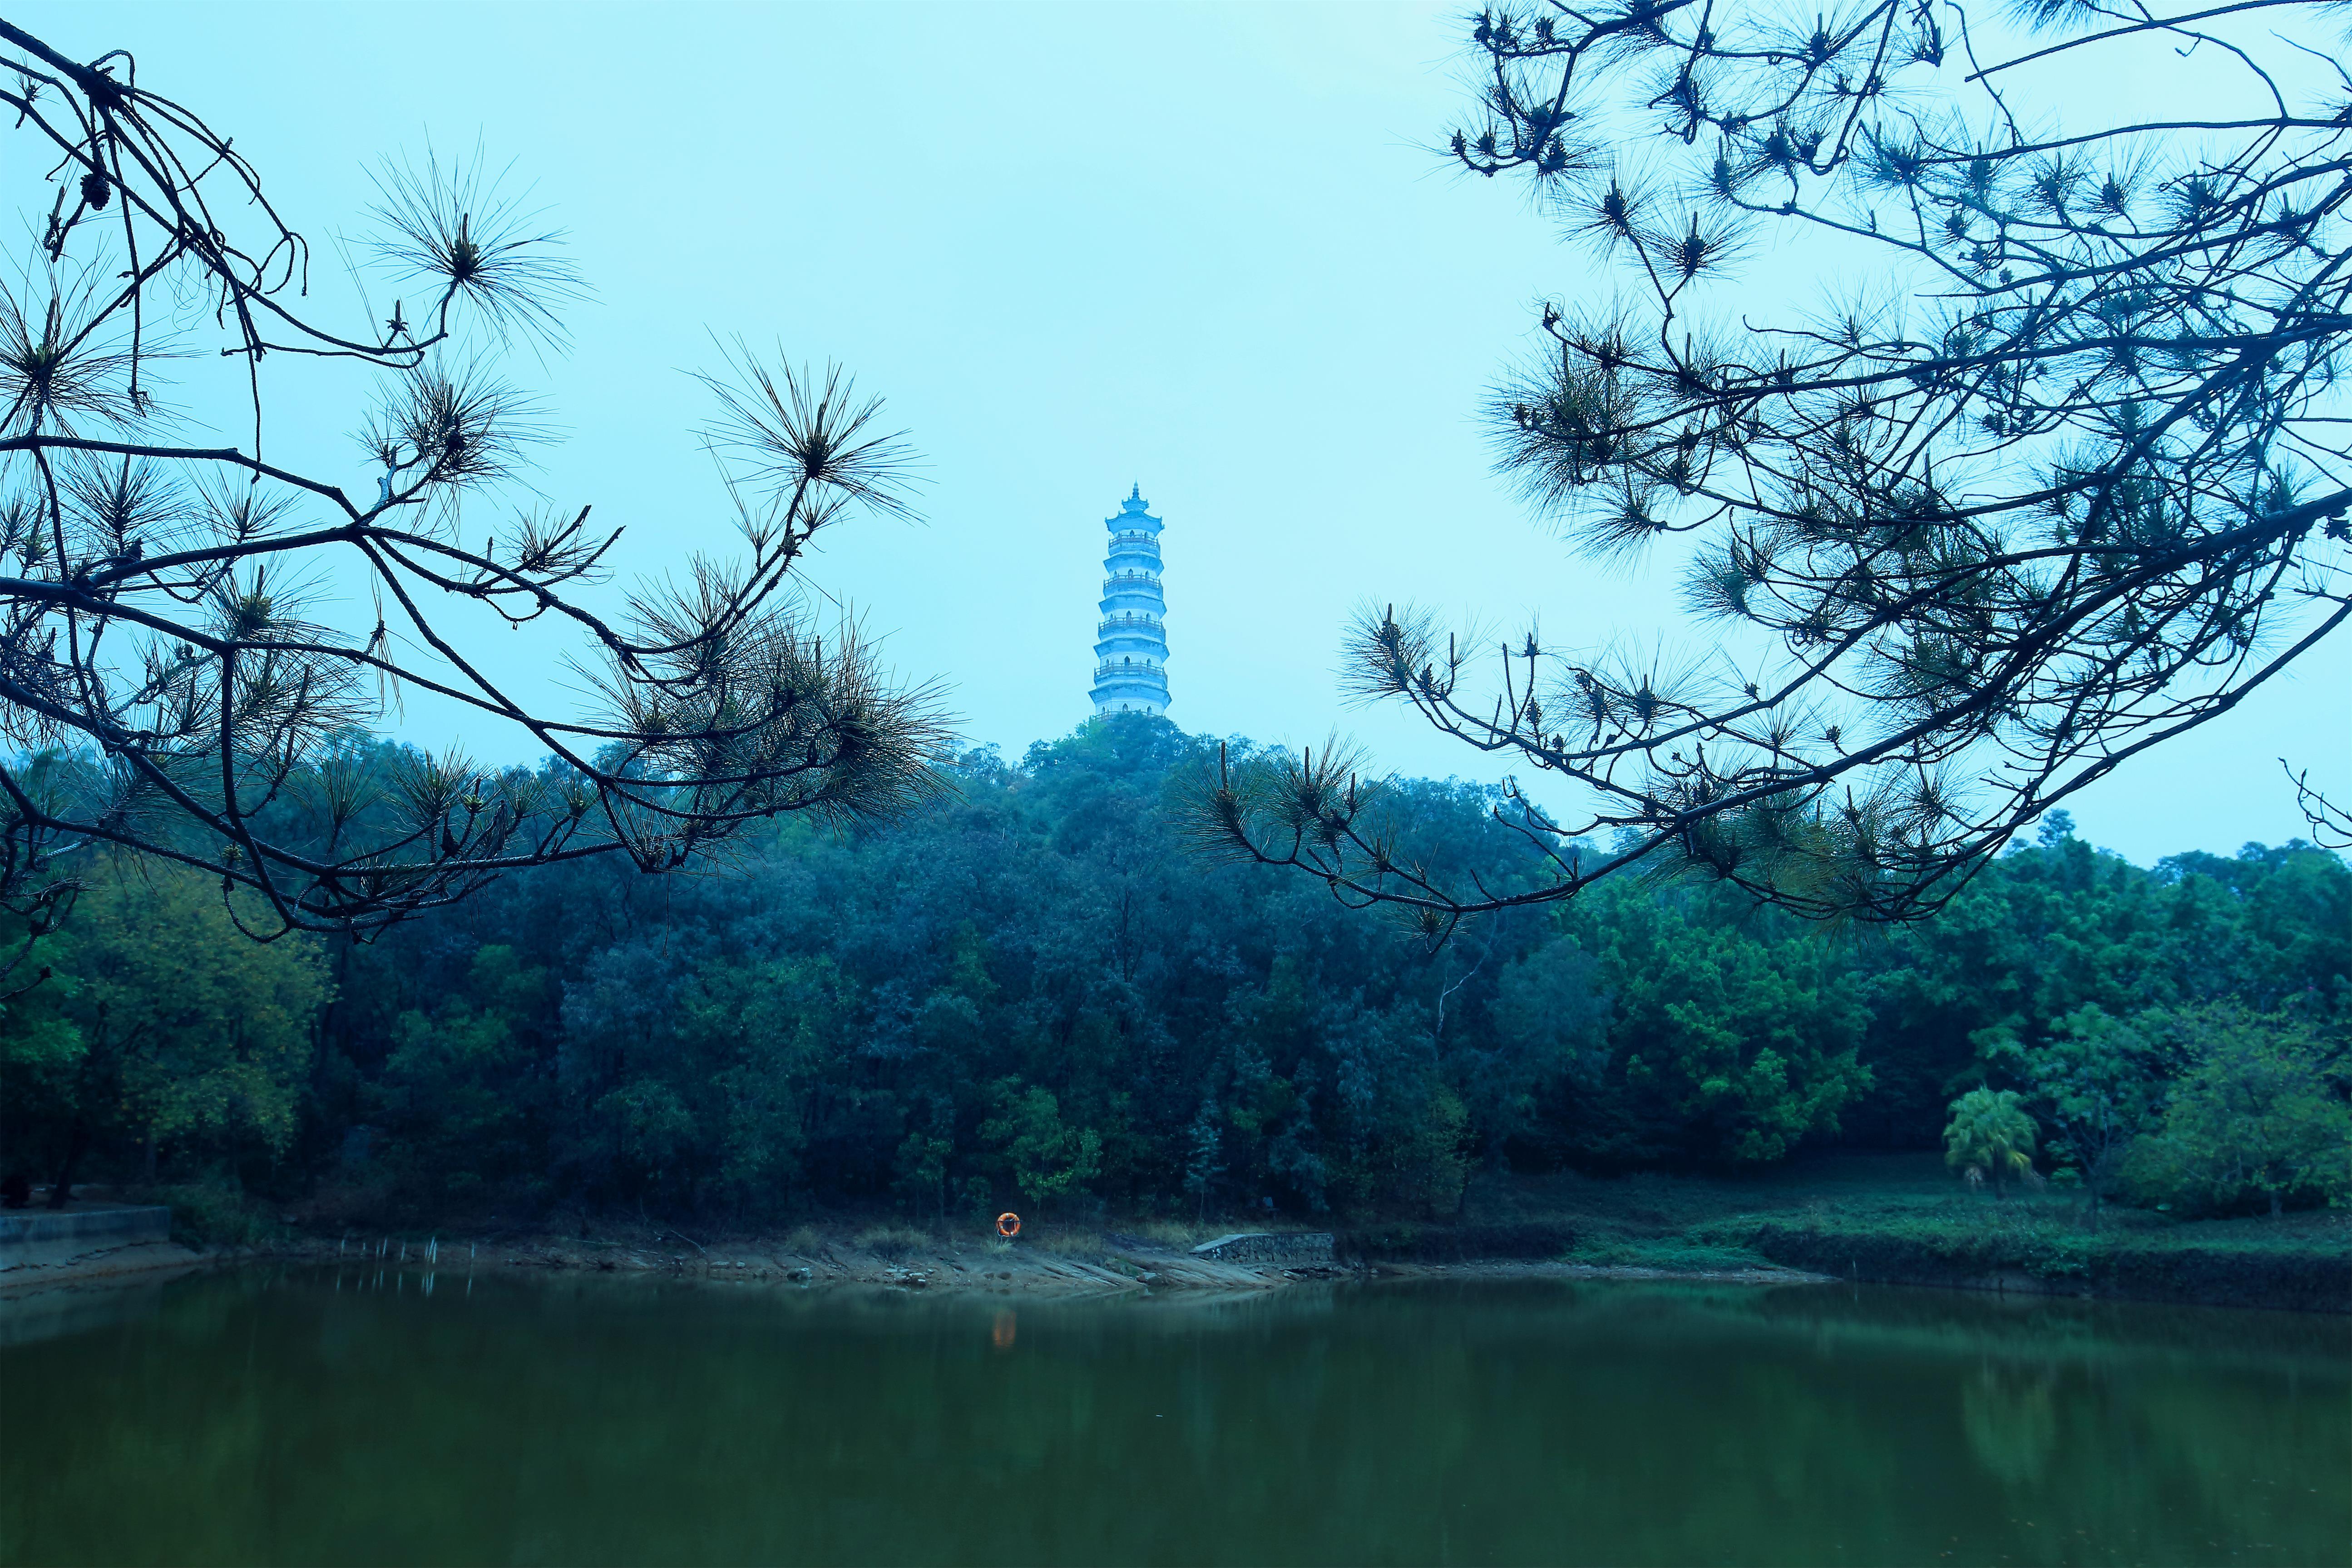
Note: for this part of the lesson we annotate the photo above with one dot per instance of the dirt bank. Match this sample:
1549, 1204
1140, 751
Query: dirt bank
1062, 1265
1119, 1263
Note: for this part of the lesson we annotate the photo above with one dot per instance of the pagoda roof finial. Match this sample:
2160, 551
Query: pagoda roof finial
1135, 491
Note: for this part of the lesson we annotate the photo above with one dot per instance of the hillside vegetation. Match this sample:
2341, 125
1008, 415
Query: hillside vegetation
1034, 996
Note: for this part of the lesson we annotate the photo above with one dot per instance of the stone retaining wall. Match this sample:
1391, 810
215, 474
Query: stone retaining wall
1268, 1247
31, 1237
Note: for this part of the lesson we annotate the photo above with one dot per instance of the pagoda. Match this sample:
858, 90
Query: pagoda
1131, 643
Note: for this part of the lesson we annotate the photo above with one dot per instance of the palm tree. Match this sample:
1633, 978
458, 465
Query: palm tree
1989, 1135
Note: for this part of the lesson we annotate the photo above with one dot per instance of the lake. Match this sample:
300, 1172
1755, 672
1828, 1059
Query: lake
312, 1416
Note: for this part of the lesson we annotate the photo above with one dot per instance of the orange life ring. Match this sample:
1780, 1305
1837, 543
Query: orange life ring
1008, 1225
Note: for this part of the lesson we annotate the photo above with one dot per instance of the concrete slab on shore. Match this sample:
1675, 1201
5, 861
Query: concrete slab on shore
39, 1238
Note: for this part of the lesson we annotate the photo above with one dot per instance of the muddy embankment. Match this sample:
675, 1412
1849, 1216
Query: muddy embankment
1058, 1265
2124, 1269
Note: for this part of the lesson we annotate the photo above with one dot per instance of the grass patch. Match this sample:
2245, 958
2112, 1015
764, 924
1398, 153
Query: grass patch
1674, 1254
1088, 1243
894, 1240
1902, 1218
1464, 1242
1174, 1235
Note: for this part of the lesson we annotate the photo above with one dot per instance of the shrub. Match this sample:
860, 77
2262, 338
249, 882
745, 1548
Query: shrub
216, 1214
2255, 1117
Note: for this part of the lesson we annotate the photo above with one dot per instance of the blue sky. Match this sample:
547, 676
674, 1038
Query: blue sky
1206, 248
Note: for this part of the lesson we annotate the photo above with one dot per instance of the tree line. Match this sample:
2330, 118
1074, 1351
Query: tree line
1032, 994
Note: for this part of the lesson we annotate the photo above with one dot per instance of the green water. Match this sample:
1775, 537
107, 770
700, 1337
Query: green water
308, 1417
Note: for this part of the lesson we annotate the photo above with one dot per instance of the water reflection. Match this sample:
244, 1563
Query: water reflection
324, 1417
2011, 1420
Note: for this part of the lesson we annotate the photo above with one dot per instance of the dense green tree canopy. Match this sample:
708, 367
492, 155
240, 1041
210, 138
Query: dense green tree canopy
1031, 994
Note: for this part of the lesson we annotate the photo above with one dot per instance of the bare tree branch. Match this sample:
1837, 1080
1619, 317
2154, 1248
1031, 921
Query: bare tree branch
2079, 492
163, 686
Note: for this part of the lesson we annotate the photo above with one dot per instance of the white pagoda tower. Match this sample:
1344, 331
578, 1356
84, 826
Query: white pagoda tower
1131, 643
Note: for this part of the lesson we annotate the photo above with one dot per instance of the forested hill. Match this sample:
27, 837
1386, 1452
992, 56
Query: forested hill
1033, 993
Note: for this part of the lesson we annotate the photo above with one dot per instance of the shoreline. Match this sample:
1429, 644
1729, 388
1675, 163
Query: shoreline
951, 1269
986, 1269
1116, 1265
1031, 1273
1854, 1219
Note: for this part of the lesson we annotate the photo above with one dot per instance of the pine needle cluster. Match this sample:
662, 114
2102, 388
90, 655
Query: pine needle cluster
2069, 481
171, 682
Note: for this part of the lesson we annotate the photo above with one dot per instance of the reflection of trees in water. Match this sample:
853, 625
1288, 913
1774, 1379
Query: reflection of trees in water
2073, 1333
2011, 1421
2251, 1447
2152, 1448
614, 1418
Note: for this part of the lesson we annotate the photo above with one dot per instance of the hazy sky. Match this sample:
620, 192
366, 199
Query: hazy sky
1206, 248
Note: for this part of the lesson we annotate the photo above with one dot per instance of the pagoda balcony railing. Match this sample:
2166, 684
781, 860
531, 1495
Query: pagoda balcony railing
1133, 576
1150, 674
1132, 626
1134, 536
